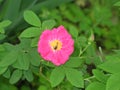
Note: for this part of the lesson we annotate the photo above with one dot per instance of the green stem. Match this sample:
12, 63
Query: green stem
81, 52
88, 79
43, 75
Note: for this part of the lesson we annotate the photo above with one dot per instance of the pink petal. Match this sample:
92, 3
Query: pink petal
57, 57
45, 35
43, 48
63, 57
67, 42
49, 56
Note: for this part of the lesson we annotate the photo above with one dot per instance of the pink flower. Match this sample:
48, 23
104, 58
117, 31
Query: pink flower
56, 45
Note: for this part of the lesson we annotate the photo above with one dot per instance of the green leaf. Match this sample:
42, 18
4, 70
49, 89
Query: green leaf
25, 87
75, 77
5, 23
117, 4
82, 41
2, 31
18, 63
96, 86
1, 1
49, 64
113, 82
34, 42
2, 48
22, 61
3, 69
74, 62
49, 4
24, 46
7, 74
16, 75
48, 24
57, 76
31, 32
25, 61
34, 58
35, 70
28, 75
31, 18
9, 13
9, 47
4, 86
42, 87
2, 36
112, 64
73, 30
99, 75
9, 59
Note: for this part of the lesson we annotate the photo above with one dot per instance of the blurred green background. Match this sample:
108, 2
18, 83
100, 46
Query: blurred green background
101, 16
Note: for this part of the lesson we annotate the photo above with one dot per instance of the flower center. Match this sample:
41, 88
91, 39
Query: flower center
55, 44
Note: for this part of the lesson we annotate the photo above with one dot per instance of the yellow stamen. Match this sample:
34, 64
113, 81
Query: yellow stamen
55, 44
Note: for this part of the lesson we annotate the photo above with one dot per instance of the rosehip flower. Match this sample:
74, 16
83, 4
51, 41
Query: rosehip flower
56, 45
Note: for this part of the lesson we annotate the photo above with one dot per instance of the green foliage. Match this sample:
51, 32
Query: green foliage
57, 76
7, 74
75, 77
74, 62
7, 86
117, 4
73, 31
93, 24
22, 61
2, 69
113, 83
111, 65
96, 86
5, 62
4, 24
48, 24
32, 18
28, 75
35, 31
31, 32
100, 76
16, 75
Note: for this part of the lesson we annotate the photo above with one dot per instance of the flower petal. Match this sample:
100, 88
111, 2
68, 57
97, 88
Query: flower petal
57, 57
45, 35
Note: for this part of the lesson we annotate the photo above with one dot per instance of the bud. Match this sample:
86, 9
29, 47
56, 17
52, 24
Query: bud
91, 38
